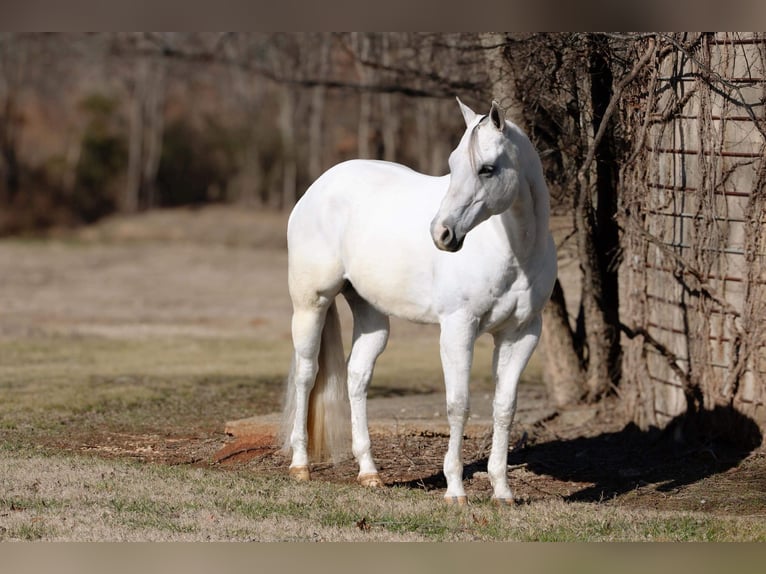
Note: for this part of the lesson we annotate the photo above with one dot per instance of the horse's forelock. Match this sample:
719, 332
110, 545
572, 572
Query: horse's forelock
473, 151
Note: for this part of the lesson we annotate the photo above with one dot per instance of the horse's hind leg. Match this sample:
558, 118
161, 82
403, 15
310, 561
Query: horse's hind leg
371, 328
307, 324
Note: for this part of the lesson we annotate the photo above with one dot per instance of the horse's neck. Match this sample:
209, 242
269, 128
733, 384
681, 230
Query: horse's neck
525, 224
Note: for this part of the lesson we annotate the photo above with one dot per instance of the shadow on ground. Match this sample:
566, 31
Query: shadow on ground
688, 450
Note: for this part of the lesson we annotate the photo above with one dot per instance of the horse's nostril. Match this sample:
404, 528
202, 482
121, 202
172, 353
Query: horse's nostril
445, 237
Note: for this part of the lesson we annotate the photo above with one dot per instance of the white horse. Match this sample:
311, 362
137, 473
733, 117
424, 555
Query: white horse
470, 251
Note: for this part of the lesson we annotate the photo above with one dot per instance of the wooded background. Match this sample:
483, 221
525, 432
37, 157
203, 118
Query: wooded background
653, 146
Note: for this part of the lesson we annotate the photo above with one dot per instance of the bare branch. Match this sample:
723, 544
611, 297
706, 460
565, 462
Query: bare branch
616, 96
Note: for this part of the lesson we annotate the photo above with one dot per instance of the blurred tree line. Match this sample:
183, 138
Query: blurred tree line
95, 124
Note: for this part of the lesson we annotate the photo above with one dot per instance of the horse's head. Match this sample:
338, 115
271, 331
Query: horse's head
483, 178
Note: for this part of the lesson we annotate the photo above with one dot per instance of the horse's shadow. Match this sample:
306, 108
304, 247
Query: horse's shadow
689, 449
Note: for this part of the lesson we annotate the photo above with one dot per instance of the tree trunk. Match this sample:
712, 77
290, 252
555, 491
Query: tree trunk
597, 331
500, 77
154, 126
598, 237
131, 196
289, 164
425, 120
389, 118
562, 367
13, 58
317, 109
145, 135
9, 166
361, 43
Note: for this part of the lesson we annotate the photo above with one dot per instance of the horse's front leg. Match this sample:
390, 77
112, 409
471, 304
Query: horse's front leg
458, 334
513, 348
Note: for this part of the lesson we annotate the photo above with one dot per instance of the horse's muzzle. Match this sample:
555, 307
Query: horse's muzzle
445, 238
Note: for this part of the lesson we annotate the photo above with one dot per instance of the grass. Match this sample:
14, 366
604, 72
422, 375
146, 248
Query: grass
58, 390
93, 384
89, 384
80, 498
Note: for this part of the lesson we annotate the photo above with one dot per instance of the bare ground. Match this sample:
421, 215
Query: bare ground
221, 273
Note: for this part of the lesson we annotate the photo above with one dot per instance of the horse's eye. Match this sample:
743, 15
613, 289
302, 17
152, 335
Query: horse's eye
487, 170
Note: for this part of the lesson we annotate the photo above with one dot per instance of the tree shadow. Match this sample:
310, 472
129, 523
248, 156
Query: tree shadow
689, 449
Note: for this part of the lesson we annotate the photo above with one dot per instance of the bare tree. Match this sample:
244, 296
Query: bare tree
289, 161
146, 124
534, 76
12, 65
597, 233
565, 95
389, 118
362, 46
321, 59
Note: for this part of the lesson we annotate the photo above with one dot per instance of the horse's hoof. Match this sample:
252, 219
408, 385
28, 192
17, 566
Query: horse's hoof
456, 500
502, 501
300, 473
371, 480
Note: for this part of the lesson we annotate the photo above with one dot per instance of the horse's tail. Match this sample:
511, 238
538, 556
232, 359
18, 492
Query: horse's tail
328, 421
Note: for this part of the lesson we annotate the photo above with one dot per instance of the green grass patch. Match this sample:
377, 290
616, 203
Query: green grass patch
24, 503
28, 531
149, 514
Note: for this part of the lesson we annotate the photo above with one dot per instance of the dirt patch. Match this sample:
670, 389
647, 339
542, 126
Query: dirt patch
552, 457
549, 459
409, 437
145, 447
622, 466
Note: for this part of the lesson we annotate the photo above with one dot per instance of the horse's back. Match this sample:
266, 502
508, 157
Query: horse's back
365, 194
359, 180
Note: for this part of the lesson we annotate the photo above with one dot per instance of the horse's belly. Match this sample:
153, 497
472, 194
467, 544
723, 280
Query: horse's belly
393, 288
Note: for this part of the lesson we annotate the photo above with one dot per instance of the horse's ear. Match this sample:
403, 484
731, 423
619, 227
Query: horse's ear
497, 116
468, 114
